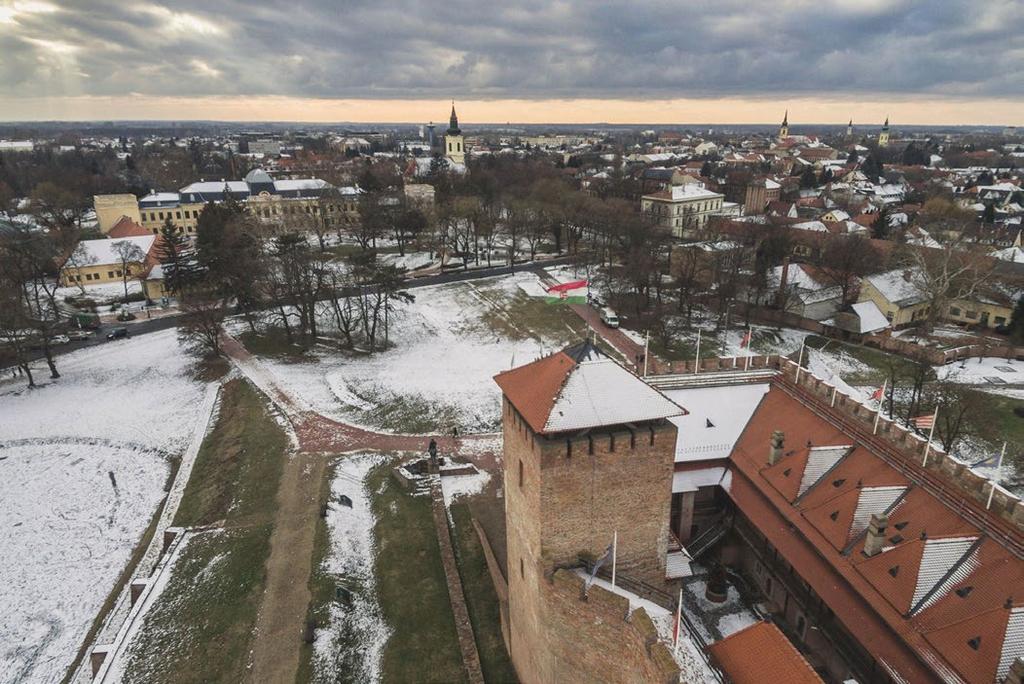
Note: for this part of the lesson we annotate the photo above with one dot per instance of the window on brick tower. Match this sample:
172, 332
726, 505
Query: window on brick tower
522, 569
520, 473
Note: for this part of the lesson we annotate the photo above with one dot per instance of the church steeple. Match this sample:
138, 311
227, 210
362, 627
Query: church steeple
785, 118
453, 123
883, 137
784, 128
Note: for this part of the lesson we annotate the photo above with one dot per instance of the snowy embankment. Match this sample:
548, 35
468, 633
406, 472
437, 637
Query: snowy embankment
353, 641
83, 464
444, 357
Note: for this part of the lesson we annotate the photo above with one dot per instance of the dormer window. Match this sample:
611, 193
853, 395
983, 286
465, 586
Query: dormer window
839, 482
974, 643
963, 592
894, 570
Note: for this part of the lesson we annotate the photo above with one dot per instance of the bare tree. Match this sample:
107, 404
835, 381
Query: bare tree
201, 326
128, 254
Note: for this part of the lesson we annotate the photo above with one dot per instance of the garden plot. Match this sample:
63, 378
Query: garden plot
83, 463
448, 345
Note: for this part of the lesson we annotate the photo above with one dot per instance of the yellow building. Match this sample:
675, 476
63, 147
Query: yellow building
454, 143
110, 209
989, 312
896, 295
97, 261
883, 137
682, 209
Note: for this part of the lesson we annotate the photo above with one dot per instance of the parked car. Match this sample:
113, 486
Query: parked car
117, 333
609, 318
79, 335
60, 339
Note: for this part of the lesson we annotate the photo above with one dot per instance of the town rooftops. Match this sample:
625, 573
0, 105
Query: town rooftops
580, 388
897, 286
760, 650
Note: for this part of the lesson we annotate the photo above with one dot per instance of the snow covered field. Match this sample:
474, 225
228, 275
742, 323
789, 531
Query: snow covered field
440, 369
99, 436
356, 634
983, 371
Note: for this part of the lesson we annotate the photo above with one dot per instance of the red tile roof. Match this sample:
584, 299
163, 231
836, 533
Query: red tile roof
952, 636
533, 388
759, 652
126, 227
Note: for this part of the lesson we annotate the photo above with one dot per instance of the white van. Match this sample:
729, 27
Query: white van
609, 318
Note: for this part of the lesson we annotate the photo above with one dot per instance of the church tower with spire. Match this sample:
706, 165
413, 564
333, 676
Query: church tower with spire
883, 137
784, 128
454, 144
849, 129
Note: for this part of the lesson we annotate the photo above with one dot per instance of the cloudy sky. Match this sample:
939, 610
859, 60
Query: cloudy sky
920, 61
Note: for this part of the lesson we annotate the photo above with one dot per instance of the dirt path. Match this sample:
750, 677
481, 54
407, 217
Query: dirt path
282, 615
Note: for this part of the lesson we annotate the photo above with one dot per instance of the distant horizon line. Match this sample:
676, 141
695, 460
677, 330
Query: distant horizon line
470, 125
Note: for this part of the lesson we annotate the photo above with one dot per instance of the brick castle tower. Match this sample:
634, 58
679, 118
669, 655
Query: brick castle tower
588, 452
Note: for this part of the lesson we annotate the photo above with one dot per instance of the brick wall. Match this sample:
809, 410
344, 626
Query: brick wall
593, 637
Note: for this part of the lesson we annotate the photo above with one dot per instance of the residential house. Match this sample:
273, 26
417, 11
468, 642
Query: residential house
100, 262
897, 295
682, 209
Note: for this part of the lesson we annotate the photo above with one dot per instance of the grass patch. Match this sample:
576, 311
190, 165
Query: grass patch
273, 343
200, 628
412, 414
411, 587
521, 317
997, 423
481, 598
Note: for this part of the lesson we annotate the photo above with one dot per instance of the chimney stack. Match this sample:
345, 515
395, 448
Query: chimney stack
1016, 673
876, 534
775, 450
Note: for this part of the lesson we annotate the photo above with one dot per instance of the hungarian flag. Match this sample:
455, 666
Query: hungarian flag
877, 394
745, 342
924, 422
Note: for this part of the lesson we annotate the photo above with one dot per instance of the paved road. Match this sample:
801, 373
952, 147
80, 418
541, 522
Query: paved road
139, 327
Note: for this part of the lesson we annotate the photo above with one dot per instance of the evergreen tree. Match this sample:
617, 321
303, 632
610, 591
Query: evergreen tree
852, 157
211, 235
808, 179
989, 214
178, 259
1017, 323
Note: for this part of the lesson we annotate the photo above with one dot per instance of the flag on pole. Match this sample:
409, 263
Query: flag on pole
878, 394
745, 342
601, 561
924, 422
679, 618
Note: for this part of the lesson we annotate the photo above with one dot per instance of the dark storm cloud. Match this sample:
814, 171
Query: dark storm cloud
515, 48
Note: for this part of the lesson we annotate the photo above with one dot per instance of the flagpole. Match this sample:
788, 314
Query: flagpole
679, 618
928, 446
615, 553
800, 360
995, 480
696, 363
647, 344
878, 413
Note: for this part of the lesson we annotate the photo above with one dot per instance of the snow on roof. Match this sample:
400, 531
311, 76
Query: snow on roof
870, 316
691, 191
897, 286
873, 501
1014, 254
717, 416
602, 392
215, 186
300, 184
944, 563
101, 252
1013, 642
814, 226
770, 184
820, 460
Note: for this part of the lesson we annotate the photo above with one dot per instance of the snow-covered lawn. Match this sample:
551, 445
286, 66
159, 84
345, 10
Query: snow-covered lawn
449, 344
457, 486
83, 463
352, 643
995, 371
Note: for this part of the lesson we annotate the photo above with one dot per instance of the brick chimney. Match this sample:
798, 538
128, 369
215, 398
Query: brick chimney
777, 444
1016, 672
876, 534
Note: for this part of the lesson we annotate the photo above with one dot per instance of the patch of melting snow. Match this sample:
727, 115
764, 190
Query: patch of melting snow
458, 486
360, 625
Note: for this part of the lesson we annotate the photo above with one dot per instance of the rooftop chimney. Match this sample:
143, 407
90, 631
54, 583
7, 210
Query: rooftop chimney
775, 450
876, 534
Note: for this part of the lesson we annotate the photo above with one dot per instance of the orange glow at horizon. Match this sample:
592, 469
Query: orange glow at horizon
864, 112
